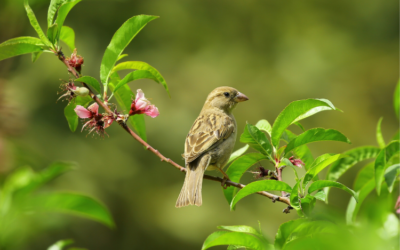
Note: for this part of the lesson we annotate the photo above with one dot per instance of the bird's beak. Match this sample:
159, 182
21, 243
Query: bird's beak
240, 97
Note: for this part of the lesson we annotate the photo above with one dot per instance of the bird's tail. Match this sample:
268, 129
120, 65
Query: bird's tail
191, 190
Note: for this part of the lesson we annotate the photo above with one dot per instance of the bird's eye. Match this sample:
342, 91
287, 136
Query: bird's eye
226, 94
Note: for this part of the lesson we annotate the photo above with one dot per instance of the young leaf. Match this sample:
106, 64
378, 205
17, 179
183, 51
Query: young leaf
35, 24
391, 174
264, 125
298, 124
63, 11
59, 245
285, 230
353, 207
19, 46
312, 172
396, 101
320, 195
121, 56
135, 75
257, 186
91, 82
233, 238
120, 40
294, 196
67, 35
287, 162
302, 152
380, 163
242, 229
76, 204
322, 184
363, 176
256, 139
316, 134
53, 7
297, 111
124, 97
137, 65
72, 117
238, 153
237, 169
307, 204
52, 33
36, 55
379, 137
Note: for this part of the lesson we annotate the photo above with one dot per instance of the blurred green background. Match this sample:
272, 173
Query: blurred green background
273, 51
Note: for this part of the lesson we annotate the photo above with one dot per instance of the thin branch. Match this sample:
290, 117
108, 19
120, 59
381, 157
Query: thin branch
273, 197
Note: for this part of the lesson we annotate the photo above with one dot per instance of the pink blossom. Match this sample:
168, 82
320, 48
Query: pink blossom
96, 121
143, 106
397, 205
296, 162
75, 61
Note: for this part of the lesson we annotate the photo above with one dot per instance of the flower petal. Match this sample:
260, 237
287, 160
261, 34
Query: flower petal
139, 95
82, 112
152, 111
94, 108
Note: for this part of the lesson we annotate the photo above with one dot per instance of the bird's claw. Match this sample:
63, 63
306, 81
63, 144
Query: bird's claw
224, 184
275, 198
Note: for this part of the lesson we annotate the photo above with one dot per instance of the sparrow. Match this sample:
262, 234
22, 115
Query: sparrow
209, 142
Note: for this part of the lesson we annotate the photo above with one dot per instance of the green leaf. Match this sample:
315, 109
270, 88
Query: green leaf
52, 33
391, 175
323, 183
72, 117
19, 46
120, 40
135, 75
307, 204
316, 134
36, 55
53, 7
320, 195
59, 245
312, 172
35, 24
380, 163
67, 35
302, 152
63, 11
297, 111
298, 124
91, 82
294, 196
121, 56
238, 153
237, 169
264, 125
242, 229
287, 162
257, 186
379, 137
137, 65
396, 137
256, 139
285, 230
353, 207
396, 101
124, 97
363, 176
71, 203
233, 238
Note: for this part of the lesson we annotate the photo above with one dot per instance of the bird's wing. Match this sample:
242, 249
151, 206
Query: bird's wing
206, 133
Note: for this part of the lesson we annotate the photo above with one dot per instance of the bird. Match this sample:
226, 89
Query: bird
209, 142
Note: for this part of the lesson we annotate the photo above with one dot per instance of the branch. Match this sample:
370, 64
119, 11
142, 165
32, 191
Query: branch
273, 197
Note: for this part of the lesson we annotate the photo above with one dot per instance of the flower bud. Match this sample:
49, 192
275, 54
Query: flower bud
81, 91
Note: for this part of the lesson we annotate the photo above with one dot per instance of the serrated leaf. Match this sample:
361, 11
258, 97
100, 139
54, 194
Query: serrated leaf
285, 230
59, 245
67, 35
257, 186
391, 175
119, 41
314, 135
52, 33
312, 172
323, 183
379, 137
264, 126
353, 207
72, 203
238, 153
137, 65
135, 75
92, 82
297, 111
124, 97
19, 46
233, 238
396, 99
242, 229
256, 139
307, 204
237, 169
53, 7
35, 24
63, 11
380, 163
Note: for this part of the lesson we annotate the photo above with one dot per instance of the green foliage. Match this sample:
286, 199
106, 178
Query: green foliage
92, 82
135, 75
317, 185
67, 35
380, 163
319, 166
238, 153
70, 114
19, 46
35, 24
396, 99
379, 137
256, 139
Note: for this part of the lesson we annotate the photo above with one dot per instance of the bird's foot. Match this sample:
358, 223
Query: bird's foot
224, 184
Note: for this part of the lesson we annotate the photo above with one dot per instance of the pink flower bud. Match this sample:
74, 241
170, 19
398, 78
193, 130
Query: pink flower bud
143, 106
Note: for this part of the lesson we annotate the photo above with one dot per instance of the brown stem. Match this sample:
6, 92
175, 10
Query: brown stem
279, 175
156, 152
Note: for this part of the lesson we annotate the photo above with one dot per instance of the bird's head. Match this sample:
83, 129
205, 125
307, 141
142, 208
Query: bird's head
225, 98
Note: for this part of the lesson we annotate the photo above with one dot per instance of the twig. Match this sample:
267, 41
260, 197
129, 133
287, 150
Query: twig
282, 199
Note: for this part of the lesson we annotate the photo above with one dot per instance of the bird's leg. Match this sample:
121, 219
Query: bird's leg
225, 179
